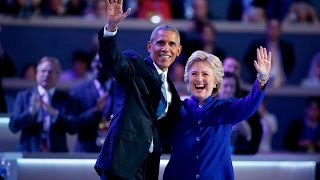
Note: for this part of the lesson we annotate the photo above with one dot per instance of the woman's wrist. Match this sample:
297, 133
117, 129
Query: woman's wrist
263, 78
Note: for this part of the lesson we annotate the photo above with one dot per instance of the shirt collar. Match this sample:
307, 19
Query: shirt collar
42, 91
160, 71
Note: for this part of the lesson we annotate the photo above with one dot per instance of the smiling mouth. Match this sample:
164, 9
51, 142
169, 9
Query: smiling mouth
164, 56
200, 86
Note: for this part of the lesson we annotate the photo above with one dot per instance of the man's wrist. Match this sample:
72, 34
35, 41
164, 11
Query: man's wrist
107, 32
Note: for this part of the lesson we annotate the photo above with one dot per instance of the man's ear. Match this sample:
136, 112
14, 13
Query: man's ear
180, 50
149, 46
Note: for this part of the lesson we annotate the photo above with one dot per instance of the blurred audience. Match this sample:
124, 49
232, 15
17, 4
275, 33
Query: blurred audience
176, 73
255, 12
245, 136
97, 10
179, 9
203, 37
313, 79
303, 135
242, 144
283, 58
53, 8
76, 7
247, 10
269, 128
43, 114
7, 69
29, 71
94, 104
151, 8
200, 11
232, 64
301, 12
79, 67
94, 46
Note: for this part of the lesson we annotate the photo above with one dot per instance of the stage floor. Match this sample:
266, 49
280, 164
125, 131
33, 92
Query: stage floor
80, 166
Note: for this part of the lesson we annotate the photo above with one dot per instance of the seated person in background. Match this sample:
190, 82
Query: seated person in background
301, 12
29, 71
94, 107
176, 72
269, 128
241, 132
255, 12
303, 135
313, 79
203, 37
79, 67
282, 55
43, 114
250, 128
232, 64
97, 10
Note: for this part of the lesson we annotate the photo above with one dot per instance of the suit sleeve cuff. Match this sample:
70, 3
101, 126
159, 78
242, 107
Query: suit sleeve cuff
107, 33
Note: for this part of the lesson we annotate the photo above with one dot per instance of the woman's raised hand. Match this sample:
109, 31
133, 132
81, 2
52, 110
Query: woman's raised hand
263, 62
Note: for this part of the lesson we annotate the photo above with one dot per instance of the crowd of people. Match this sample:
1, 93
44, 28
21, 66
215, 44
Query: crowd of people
187, 94
250, 11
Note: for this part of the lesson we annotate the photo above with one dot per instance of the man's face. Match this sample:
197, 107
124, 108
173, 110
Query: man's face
47, 75
164, 48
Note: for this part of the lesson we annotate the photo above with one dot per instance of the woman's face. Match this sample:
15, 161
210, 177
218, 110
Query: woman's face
228, 88
201, 81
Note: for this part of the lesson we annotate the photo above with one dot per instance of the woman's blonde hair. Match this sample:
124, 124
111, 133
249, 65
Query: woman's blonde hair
215, 64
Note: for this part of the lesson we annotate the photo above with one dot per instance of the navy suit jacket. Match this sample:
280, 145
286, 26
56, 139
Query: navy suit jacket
134, 125
86, 96
22, 120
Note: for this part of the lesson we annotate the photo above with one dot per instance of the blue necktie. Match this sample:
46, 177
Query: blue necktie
163, 103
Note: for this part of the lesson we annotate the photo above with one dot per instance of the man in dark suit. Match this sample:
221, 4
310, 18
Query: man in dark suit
132, 148
43, 114
94, 107
283, 59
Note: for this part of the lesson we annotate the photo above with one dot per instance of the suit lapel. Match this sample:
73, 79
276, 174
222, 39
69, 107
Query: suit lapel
153, 70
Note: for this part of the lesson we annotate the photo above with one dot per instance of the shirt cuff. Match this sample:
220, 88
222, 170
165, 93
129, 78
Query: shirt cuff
107, 33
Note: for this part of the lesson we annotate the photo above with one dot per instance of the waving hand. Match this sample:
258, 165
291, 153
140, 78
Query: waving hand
263, 62
115, 13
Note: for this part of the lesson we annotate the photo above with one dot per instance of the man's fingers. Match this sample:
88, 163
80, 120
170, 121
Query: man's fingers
127, 13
